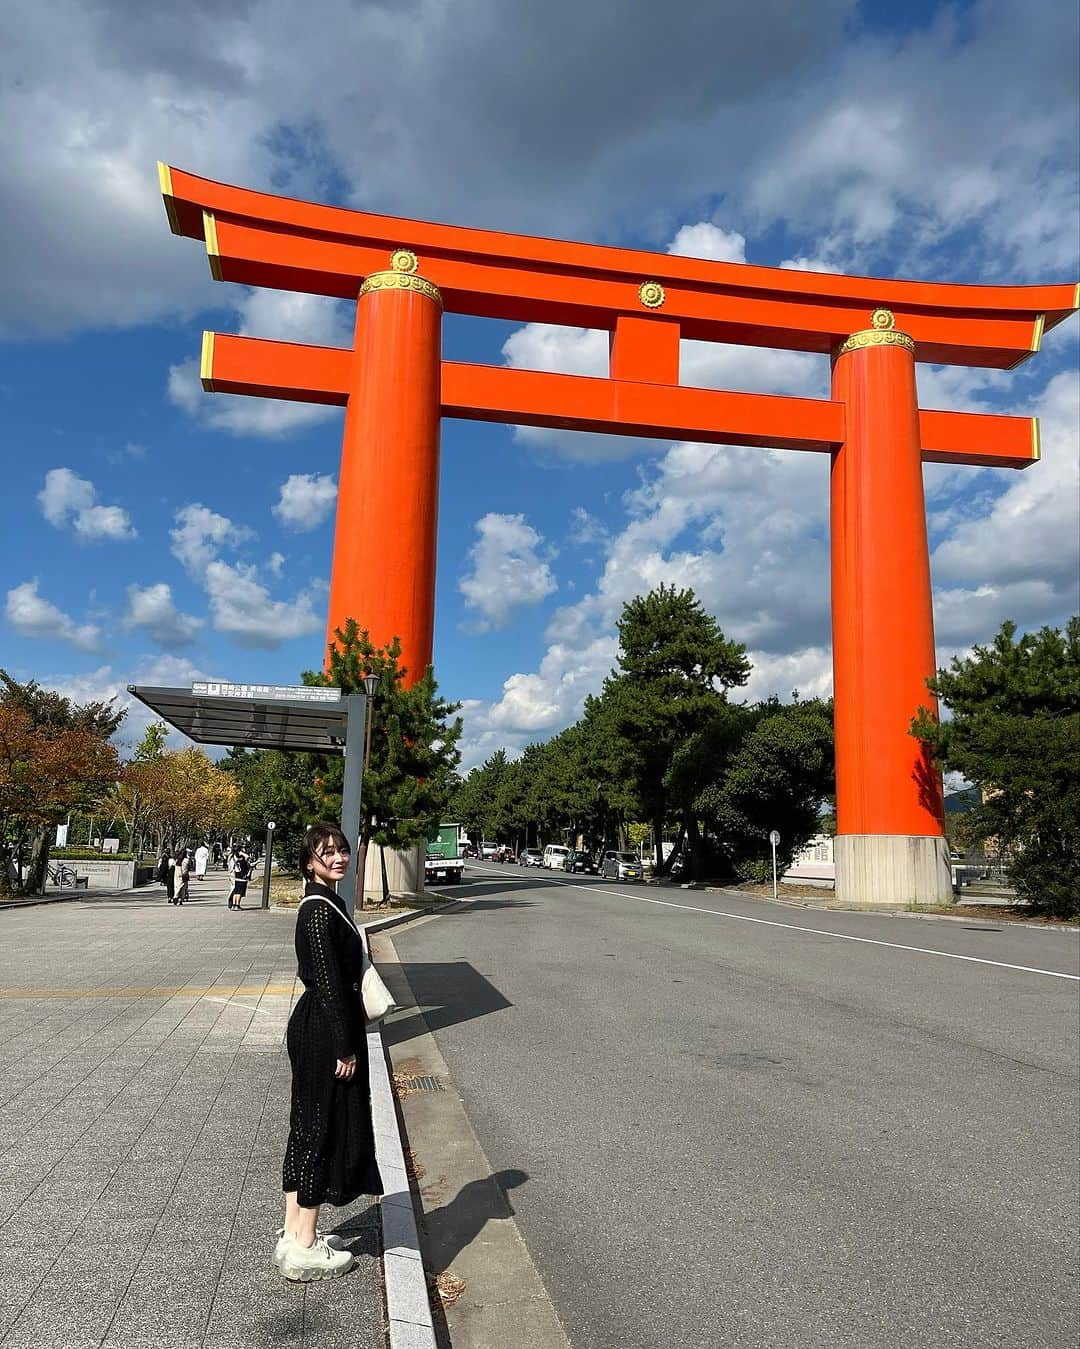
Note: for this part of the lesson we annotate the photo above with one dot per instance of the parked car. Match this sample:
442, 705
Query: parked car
580, 860
505, 854
489, 851
622, 866
469, 850
531, 857
555, 856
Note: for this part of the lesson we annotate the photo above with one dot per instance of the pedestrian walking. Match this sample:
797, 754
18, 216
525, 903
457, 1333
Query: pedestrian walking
241, 876
181, 875
330, 1155
202, 856
164, 873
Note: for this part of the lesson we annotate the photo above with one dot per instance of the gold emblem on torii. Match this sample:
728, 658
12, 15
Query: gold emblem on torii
883, 333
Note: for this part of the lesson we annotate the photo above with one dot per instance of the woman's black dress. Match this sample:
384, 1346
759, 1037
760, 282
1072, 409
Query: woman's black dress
330, 1156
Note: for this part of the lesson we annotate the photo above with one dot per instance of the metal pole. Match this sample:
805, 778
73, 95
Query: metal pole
355, 726
268, 857
774, 839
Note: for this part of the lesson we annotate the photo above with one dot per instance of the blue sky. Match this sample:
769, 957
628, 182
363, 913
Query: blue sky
157, 534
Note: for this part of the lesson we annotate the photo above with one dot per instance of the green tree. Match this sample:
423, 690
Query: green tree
1014, 733
675, 666
153, 743
65, 762
414, 754
274, 785
778, 777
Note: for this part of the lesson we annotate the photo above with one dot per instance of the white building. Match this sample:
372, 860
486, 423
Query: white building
813, 865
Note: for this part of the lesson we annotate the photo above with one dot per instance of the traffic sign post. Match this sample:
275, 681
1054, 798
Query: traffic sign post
774, 839
268, 857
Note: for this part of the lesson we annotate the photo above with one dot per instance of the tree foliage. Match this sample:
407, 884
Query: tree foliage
662, 742
675, 667
414, 736
778, 777
1014, 732
55, 757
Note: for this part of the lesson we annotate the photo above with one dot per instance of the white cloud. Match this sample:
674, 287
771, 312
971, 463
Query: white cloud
816, 120
1019, 557
200, 534
106, 683
586, 529
306, 500
237, 413
535, 706
66, 499
64, 495
281, 316
507, 571
242, 607
152, 608
31, 615
706, 240
805, 264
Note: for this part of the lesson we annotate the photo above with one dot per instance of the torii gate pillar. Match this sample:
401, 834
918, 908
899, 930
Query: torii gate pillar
384, 542
890, 845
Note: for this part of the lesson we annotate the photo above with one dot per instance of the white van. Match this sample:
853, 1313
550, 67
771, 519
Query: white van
555, 857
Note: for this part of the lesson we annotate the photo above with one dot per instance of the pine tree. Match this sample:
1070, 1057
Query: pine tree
414, 737
1014, 733
675, 668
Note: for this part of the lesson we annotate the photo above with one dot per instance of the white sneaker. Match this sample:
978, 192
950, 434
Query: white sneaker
335, 1242
317, 1261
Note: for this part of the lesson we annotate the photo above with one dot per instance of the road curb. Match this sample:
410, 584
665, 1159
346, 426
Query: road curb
33, 903
408, 1308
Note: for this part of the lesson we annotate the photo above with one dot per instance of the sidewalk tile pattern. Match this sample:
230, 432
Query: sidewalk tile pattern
144, 1094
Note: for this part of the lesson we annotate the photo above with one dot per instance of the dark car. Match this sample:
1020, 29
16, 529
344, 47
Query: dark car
579, 860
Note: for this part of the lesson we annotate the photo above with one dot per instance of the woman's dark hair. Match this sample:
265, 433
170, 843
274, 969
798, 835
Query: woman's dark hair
317, 835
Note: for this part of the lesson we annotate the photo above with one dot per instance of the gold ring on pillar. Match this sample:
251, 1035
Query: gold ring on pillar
882, 334
400, 281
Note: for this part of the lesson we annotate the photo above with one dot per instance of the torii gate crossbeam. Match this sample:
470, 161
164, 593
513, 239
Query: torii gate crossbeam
396, 387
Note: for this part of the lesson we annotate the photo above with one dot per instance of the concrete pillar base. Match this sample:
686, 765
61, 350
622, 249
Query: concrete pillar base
404, 873
892, 869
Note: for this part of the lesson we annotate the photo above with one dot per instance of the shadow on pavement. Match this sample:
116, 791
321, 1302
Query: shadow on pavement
361, 1232
456, 1225
451, 992
479, 892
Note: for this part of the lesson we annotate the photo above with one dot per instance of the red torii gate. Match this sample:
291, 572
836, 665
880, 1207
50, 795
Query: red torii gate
396, 387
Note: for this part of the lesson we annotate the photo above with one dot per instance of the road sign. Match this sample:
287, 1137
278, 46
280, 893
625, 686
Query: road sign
774, 839
270, 824
296, 693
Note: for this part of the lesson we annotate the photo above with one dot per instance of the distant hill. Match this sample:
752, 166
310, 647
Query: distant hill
958, 803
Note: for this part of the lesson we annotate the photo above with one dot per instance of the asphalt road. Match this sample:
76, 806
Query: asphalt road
742, 1129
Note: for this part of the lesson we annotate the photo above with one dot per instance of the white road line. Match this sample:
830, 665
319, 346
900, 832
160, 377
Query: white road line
232, 1002
813, 931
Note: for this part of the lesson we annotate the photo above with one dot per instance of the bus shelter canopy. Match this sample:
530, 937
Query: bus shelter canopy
253, 716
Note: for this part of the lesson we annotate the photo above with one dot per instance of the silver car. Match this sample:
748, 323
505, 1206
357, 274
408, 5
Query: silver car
622, 866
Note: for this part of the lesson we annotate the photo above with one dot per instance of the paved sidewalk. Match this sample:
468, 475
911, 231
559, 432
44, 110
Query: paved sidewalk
144, 1092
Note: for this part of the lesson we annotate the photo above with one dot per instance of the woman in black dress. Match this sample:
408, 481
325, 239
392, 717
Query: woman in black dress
330, 1156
